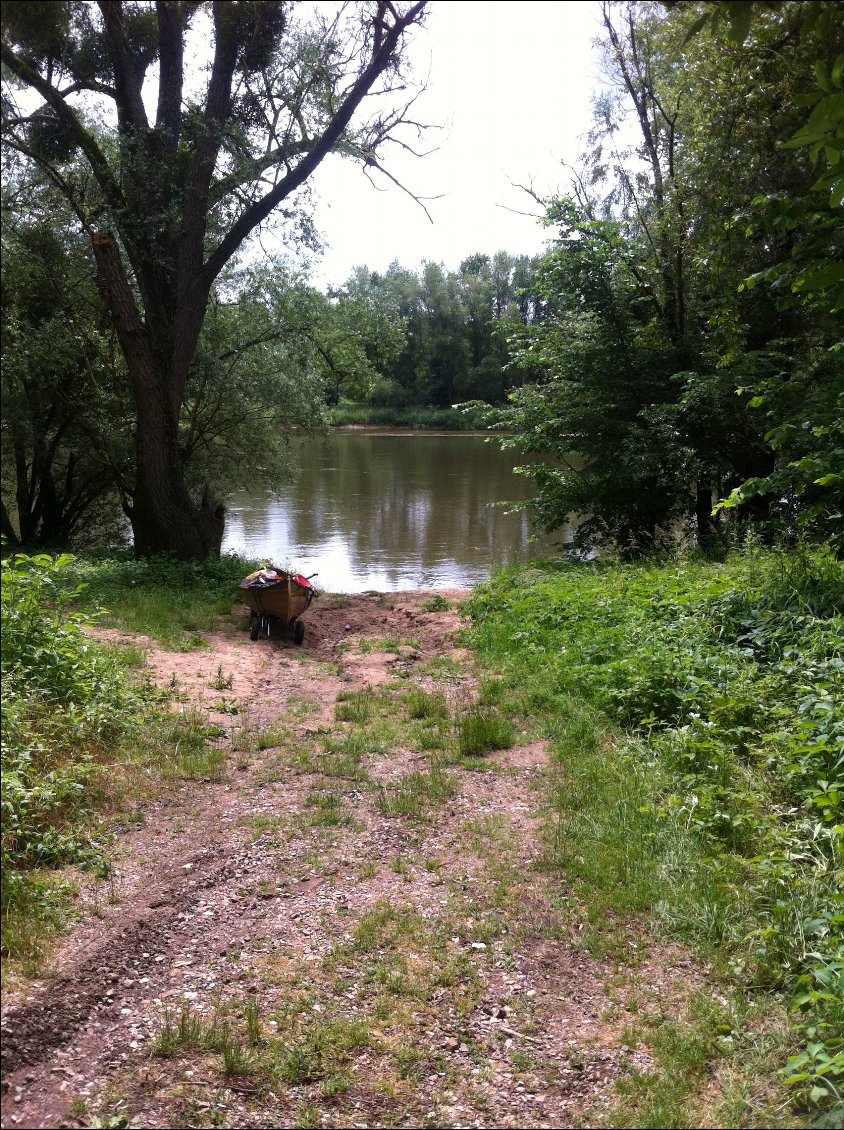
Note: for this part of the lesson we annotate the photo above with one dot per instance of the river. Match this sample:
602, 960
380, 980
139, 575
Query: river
389, 511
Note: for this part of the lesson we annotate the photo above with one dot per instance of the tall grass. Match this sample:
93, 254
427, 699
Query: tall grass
697, 719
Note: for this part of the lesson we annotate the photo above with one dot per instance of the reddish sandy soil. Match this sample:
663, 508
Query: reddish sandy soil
478, 1003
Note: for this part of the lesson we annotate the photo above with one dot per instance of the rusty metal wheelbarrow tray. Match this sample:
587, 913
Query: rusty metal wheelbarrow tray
276, 602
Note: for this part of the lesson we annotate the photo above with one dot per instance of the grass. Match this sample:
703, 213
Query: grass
355, 706
85, 735
391, 644
426, 704
171, 601
415, 794
481, 731
345, 755
694, 724
325, 810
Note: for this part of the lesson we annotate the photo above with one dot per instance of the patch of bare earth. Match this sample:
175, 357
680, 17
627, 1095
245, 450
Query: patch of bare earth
369, 967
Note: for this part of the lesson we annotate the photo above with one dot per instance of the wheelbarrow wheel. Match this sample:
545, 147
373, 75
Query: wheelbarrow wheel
254, 626
298, 632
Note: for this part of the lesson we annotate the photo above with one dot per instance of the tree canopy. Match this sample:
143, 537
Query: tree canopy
170, 166
690, 348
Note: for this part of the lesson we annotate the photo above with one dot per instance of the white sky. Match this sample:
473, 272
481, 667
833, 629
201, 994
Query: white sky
512, 82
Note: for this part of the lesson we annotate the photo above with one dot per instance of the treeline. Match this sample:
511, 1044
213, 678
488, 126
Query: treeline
453, 328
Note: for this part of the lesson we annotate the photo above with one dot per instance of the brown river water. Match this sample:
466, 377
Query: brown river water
389, 511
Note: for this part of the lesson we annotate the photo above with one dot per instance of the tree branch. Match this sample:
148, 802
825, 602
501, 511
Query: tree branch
382, 54
96, 158
168, 117
128, 78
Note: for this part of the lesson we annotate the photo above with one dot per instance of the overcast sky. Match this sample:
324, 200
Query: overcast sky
512, 83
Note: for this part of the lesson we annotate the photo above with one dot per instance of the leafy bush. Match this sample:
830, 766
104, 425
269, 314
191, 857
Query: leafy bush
62, 697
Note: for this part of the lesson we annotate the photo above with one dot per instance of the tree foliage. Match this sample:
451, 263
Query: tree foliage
62, 412
169, 170
448, 330
658, 351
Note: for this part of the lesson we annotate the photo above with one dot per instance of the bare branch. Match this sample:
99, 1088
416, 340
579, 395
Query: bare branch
260, 210
374, 164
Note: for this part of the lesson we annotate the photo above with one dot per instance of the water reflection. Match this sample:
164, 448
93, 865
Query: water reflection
388, 512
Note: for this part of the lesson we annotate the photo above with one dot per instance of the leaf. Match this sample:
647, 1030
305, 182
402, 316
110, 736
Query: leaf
741, 12
697, 26
820, 277
822, 77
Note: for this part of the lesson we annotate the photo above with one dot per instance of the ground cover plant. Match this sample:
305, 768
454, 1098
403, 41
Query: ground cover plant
72, 713
172, 601
697, 719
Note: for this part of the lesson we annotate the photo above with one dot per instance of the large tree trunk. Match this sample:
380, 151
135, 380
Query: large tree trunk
164, 516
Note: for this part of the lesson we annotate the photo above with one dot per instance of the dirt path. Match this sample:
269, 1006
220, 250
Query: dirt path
348, 929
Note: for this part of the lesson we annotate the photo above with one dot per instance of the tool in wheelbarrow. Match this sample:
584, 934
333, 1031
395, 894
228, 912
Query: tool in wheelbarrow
276, 599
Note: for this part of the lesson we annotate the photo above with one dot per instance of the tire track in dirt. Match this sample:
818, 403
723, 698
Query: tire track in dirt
227, 893
120, 944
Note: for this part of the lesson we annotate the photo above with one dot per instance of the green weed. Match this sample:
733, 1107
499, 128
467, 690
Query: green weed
697, 727
436, 604
221, 681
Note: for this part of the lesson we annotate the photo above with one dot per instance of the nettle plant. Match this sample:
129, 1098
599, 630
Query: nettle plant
61, 697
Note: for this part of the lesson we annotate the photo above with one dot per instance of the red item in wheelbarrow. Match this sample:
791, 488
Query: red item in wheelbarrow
282, 598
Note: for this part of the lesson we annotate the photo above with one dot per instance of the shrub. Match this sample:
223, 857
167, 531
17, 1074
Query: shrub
65, 703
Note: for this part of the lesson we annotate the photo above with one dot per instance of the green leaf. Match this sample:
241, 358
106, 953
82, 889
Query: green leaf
697, 26
741, 12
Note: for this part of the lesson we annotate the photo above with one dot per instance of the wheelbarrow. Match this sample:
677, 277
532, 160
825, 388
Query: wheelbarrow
276, 600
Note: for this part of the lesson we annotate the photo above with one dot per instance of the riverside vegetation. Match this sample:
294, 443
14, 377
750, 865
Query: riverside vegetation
695, 720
